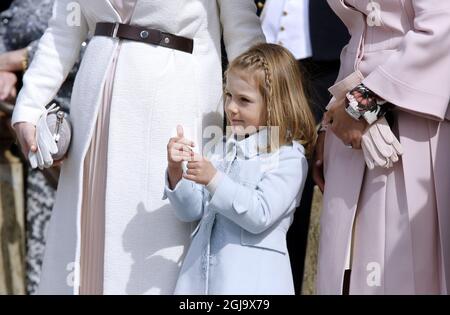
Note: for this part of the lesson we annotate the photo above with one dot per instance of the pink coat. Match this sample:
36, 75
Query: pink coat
399, 217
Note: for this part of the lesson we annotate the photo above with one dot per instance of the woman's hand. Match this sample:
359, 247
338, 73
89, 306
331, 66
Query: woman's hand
26, 134
59, 163
345, 127
8, 81
12, 61
200, 170
179, 149
317, 171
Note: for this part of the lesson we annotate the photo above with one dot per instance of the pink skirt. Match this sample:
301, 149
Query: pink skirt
93, 199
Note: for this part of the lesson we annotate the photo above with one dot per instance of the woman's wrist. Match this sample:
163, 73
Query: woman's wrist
14, 61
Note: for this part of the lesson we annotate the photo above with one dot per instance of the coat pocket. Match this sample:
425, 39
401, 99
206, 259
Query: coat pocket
242, 202
274, 240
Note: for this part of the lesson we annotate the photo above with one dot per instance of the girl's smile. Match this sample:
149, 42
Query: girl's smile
237, 122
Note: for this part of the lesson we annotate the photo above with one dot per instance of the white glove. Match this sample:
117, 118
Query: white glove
46, 144
380, 146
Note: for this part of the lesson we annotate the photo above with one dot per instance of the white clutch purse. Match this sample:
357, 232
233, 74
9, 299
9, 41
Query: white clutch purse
53, 137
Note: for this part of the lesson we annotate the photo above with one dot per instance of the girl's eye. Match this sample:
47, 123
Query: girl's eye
227, 94
245, 100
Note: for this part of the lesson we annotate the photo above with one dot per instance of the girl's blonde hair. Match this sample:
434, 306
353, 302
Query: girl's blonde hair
280, 83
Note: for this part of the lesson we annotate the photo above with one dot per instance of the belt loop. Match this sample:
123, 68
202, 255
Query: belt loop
116, 28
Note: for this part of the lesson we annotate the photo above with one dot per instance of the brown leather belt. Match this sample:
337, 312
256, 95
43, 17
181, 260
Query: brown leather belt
145, 35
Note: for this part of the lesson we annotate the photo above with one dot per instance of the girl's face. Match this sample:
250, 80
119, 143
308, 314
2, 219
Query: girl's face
244, 105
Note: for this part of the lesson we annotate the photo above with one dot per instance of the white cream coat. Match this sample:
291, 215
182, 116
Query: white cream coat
155, 89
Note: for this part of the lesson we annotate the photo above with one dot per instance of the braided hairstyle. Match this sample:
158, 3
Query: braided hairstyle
280, 84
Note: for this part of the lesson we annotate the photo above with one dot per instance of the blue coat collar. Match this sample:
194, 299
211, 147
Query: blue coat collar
249, 147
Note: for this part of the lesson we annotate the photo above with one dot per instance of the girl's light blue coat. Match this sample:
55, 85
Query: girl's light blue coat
239, 246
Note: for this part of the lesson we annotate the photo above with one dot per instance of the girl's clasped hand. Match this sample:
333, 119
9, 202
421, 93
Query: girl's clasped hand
180, 149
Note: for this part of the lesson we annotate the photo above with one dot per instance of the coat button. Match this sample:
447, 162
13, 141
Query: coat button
144, 34
166, 40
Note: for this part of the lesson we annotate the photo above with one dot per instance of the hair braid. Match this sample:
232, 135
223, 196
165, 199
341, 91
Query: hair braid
261, 63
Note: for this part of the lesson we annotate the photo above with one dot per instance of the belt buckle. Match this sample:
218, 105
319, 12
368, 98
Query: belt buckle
116, 29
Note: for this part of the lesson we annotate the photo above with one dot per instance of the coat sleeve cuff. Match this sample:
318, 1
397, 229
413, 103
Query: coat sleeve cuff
404, 96
178, 187
23, 113
213, 184
186, 199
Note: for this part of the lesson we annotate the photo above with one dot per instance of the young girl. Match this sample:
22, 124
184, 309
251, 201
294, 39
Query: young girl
245, 200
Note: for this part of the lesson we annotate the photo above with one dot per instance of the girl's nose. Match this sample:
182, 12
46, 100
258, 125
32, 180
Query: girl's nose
232, 107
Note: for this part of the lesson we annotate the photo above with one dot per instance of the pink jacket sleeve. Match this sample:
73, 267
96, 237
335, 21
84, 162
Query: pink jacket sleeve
416, 78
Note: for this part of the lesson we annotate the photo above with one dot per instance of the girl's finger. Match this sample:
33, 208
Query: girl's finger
181, 151
193, 165
187, 158
197, 157
189, 177
180, 131
182, 147
186, 142
175, 159
179, 158
192, 172
173, 140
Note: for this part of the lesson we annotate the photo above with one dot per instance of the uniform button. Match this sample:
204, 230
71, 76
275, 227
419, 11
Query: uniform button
166, 40
260, 5
284, 13
282, 28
